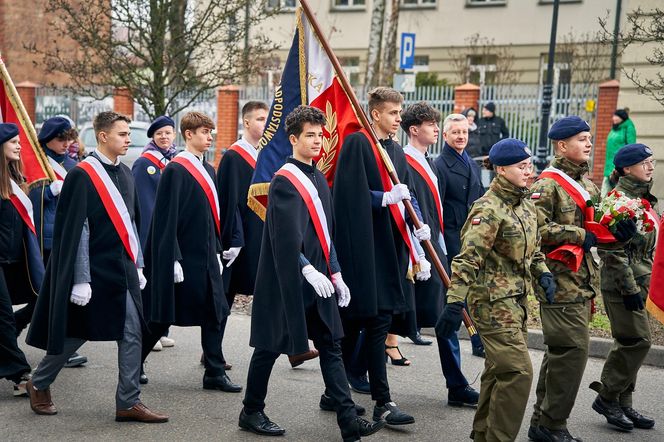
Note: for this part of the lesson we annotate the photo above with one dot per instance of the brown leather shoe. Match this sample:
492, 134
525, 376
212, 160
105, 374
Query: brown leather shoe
40, 400
140, 413
297, 360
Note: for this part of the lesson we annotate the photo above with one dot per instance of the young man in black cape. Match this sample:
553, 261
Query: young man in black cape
420, 122
92, 289
293, 295
183, 253
374, 245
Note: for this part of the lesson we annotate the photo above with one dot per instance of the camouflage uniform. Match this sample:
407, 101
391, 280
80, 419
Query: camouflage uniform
625, 271
499, 263
565, 322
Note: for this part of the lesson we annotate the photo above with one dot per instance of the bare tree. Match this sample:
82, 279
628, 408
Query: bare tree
497, 61
375, 44
165, 52
390, 46
643, 27
588, 56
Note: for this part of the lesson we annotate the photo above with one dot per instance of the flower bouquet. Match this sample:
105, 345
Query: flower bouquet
616, 206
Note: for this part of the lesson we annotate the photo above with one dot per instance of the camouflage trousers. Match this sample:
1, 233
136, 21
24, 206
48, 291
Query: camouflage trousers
631, 342
565, 330
505, 386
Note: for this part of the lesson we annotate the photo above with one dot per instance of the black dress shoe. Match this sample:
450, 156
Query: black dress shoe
360, 427
359, 384
392, 415
544, 434
259, 423
76, 360
639, 420
533, 433
328, 404
460, 397
222, 383
613, 413
419, 340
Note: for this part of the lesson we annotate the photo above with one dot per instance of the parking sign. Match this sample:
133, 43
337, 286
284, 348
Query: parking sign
407, 58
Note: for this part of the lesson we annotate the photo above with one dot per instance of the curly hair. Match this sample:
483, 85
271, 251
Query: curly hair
418, 113
299, 116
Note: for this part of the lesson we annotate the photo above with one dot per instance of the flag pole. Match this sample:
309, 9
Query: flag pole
24, 119
386, 159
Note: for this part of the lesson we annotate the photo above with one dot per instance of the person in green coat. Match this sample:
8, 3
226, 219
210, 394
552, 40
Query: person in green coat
623, 132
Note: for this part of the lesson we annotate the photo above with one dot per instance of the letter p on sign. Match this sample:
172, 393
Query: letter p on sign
407, 58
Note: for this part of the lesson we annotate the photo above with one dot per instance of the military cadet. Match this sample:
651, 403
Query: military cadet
625, 276
499, 264
561, 200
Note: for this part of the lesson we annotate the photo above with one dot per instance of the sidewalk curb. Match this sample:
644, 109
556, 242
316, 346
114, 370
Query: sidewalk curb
599, 347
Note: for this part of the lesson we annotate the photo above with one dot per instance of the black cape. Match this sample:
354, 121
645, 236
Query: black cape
240, 226
112, 271
183, 230
369, 246
282, 297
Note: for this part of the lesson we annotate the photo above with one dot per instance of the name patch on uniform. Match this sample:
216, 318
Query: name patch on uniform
535, 196
152, 170
476, 221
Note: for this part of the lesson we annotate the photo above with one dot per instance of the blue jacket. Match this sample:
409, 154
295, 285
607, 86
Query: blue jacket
460, 186
44, 203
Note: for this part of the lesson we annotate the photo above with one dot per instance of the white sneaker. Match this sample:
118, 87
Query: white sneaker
158, 346
166, 341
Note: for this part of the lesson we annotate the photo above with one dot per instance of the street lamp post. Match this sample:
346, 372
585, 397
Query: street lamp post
547, 91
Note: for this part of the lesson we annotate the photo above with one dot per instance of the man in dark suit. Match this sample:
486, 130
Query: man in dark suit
460, 186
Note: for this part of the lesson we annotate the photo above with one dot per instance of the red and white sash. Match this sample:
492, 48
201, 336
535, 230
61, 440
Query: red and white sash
419, 163
578, 193
309, 194
59, 171
23, 206
398, 211
246, 151
113, 203
155, 158
195, 167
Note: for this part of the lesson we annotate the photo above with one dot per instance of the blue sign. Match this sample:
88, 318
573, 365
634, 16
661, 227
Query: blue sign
407, 55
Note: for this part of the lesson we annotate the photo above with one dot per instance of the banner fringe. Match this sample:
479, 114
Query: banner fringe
256, 190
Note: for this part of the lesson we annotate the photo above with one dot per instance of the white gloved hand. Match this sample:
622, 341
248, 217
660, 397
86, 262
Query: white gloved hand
56, 187
142, 282
221, 265
81, 293
318, 281
343, 292
178, 273
425, 269
423, 233
398, 193
231, 254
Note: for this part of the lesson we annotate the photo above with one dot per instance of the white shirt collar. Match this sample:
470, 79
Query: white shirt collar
106, 160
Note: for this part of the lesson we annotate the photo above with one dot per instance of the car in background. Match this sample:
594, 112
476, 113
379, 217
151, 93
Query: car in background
139, 139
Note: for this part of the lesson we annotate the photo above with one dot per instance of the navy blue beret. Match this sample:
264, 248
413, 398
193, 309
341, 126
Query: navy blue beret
509, 151
631, 154
52, 128
7, 132
160, 122
568, 127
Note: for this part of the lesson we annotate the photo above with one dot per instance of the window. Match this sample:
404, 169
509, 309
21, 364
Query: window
284, 5
348, 4
351, 67
562, 70
419, 3
486, 2
550, 2
421, 63
482, 69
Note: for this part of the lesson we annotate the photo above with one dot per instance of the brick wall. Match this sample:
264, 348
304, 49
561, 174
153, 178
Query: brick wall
123, 102
227, 119
465, 96
607, 103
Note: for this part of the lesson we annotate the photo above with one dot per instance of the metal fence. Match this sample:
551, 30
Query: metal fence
51, 102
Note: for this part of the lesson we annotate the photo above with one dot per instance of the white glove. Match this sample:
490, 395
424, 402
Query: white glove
81, 293
343, 292
423, 233
318, 281
231, 254
142, 282
398, 193
425, 269
221, 266
178, 273
56, 187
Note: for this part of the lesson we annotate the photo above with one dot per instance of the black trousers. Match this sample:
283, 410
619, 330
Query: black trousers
12, 360
331, 365
375, 333
230, 298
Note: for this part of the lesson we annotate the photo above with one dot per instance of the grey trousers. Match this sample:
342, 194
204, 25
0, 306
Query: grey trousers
129, 361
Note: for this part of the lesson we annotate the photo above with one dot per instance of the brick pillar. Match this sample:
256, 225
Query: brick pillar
123, 102
465, 96
607, 103
27, 91
228, 108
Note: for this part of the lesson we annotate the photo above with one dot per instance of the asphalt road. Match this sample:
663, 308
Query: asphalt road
85, 398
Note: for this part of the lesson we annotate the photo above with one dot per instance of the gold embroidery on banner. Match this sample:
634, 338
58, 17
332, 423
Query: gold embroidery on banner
330, 142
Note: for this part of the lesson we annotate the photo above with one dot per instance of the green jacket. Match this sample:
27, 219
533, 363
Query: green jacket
500, 259
617, 138
627, 267
561, 222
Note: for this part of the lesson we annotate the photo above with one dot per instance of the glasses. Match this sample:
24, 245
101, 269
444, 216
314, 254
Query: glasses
523, 168
649, 164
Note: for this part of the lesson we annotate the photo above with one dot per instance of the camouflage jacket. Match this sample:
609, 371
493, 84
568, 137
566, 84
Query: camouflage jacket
561, 222
500, 258
626, 268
